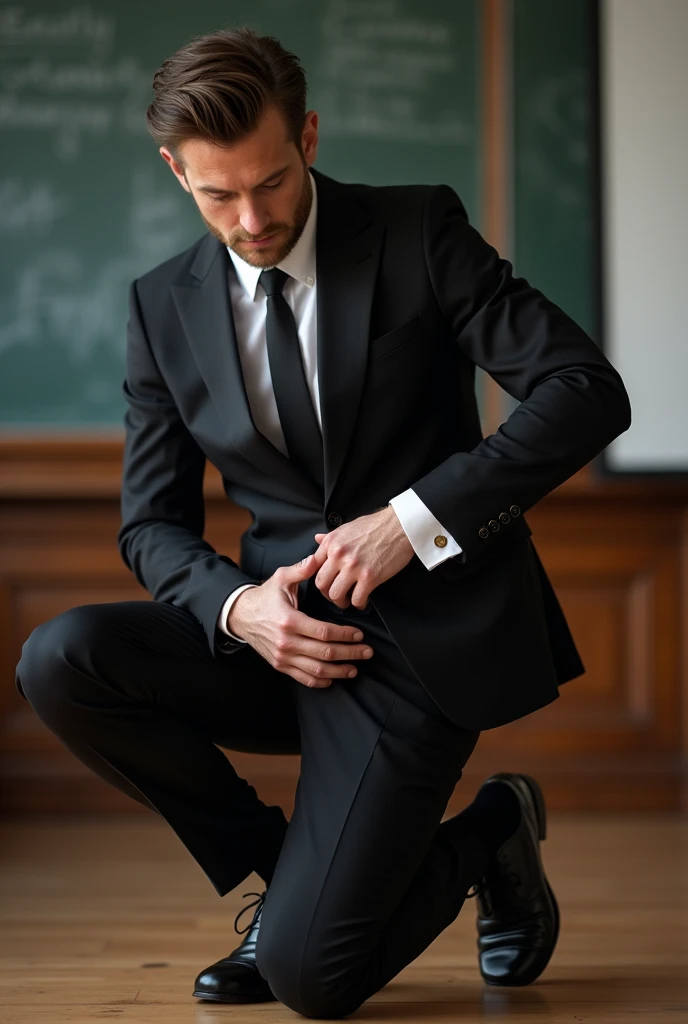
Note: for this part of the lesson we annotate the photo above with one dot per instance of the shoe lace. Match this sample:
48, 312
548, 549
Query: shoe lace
256, 903
477, 888
482, 890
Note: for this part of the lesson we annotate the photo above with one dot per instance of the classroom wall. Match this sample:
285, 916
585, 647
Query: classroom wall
616, 549
645, 224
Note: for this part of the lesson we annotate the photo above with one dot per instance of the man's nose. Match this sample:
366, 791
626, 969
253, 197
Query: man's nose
254, 220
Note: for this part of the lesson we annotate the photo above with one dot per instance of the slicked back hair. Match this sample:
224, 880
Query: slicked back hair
218, 86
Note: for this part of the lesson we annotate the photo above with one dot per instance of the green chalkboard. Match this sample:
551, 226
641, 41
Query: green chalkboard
555, 146
87, 204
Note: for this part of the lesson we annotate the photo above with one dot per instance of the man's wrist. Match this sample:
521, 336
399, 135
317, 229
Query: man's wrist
227, 607
426, 535
233, 626
395, 519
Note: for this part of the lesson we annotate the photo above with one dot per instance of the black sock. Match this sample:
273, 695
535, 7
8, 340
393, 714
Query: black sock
494, 815
268, 851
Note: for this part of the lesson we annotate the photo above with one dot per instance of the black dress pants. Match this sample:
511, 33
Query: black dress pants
363, 877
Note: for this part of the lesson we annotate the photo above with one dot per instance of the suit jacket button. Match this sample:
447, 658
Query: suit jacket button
483, 532
494, 525
515, 511
504, 517
440, 541
334, 519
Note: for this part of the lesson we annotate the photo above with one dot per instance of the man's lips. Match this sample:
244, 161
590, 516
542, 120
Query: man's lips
260, 241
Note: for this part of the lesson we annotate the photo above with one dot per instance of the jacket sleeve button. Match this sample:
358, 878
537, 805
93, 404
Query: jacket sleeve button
504, 517
483, 532
494, 525
515, 511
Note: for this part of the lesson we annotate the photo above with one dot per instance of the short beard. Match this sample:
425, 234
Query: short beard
271, 257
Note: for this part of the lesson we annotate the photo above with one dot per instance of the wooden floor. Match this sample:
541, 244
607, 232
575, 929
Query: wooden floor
112, 918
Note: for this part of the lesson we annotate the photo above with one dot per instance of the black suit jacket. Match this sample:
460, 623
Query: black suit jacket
410, 300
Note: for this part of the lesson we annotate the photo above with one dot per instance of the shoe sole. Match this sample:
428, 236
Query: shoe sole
220, 997
541, 815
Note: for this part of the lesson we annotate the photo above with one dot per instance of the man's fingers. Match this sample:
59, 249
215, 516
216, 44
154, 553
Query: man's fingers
326, 631
359, 596
322, 670
300, 570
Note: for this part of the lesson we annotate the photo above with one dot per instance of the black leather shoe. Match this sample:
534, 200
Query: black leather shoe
518, 915
235, 978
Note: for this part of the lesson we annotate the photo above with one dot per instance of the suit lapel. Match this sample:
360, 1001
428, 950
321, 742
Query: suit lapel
206, 314
348, 248
347, 252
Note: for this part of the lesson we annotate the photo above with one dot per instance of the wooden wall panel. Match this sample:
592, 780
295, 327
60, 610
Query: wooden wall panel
616, 553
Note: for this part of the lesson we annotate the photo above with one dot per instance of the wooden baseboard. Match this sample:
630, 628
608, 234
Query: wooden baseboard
610, 784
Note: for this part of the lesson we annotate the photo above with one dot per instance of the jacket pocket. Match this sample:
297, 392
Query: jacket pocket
387, 343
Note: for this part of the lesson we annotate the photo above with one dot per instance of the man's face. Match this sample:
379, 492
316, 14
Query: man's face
254, 195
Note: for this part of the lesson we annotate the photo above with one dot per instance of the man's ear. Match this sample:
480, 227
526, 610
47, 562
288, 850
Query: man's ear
176, 168
309, 137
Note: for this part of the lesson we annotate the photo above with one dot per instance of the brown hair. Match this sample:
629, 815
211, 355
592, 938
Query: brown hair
218, 86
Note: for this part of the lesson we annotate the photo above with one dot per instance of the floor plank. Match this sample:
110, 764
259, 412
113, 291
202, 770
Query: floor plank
112, 919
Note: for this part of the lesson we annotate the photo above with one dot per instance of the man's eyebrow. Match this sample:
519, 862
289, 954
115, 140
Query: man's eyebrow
214, 190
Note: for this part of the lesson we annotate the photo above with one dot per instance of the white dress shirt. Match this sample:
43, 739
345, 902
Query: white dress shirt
249, 308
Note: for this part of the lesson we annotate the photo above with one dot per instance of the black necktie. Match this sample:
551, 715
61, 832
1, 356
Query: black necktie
294, 405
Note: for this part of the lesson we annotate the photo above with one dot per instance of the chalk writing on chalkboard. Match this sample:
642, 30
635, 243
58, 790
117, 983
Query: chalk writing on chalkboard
30, 207
60, 296
555, 153
385, 73
79, 25
58, 77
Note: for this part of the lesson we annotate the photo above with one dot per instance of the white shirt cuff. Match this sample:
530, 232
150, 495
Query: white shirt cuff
224, 614
421, 528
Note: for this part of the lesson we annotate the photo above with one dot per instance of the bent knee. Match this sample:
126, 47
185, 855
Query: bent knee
51, 647
315, 1000
312, 989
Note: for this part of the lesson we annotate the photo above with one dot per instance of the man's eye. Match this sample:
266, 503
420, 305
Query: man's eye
221, 199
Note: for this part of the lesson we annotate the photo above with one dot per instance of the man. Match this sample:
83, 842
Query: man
318, 346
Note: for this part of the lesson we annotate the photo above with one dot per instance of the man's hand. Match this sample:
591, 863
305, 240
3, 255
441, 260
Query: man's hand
307, 649
361, 554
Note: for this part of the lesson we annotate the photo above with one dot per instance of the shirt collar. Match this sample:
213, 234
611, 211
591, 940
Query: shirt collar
299, 263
